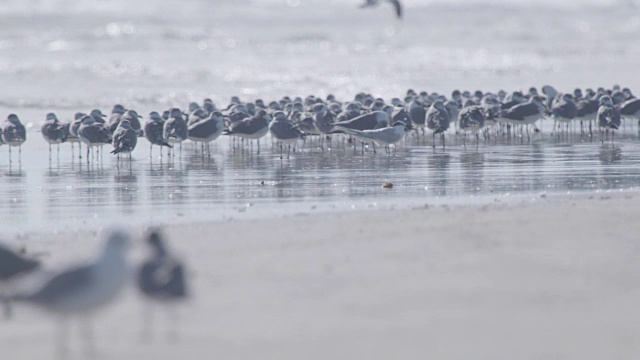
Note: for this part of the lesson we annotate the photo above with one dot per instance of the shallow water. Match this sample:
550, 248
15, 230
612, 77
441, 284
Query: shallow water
68, 56
239, 183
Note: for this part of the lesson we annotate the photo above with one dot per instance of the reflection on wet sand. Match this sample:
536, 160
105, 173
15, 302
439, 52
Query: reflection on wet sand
74, 192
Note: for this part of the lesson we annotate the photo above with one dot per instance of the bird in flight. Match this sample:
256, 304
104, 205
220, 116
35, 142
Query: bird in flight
396, 4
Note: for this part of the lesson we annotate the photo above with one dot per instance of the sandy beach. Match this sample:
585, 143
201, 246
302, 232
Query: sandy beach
552, 277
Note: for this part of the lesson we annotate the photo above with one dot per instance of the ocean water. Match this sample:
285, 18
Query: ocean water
68, 56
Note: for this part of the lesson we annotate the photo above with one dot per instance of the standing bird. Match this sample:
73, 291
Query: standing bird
154, 132
396, 4
134, 120
608, 117
438, 120
116, 113
386, 136
564, 110
83, 290
13, 265
161, 278
125, 138
71, 129
252, 128
175, 129
14, 134
471, 119
284, 131
53, 132
207, 130
93, 134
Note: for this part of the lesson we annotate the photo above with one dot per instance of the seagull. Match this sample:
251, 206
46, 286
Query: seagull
53, 132
438, 120
284, 131
564, 109
125, 138
175, 129
608, 116
370, 121
252, 128
383, 137
14, 134
418, 113
523, 114
92, 133
116, 113
12, 265
161, 277
471, 119
83, 290
396, 4
207, 129
153, 131
71, 129
134, 120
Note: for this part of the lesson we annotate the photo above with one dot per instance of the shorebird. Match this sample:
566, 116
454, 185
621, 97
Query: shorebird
81, 291
14, 134
154, 132
471, 119
161, 278
53, 131
523, 114
370, 121
383, 137
175, 129
564, 109
418, 113
206, 130
284, 131
71, 129
125, 138
608, 117
93, 134
134, 119
116, 113
438, 120
252, 128
13, 265
587, 111
396, 5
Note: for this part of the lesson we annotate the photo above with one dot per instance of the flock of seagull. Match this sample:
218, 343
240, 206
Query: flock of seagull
364, 119
81, 291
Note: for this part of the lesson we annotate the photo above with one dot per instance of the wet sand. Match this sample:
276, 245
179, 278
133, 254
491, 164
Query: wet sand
552, 277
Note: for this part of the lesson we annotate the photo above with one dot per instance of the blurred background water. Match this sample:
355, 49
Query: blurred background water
73, 55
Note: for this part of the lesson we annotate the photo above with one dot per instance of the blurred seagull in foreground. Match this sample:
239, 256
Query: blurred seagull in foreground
396, 4
12, 265
161, 278
83, 290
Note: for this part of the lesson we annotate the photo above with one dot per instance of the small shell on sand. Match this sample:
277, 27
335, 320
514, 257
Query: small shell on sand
387, 185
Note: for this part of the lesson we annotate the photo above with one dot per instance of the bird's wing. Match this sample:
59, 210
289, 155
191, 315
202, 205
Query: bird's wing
62, 285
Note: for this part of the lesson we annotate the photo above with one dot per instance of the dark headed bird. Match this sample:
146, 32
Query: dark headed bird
161, 277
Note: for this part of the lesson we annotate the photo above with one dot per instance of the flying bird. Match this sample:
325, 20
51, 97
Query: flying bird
396, 4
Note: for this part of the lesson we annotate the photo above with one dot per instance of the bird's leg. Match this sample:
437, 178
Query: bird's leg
62, 337
258, 146
20, 154
49, 154
79, 150
281, 151
8, 311
10, 160
88, 153
443, 140
88, 337
151, 152
374, 148
173, 328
